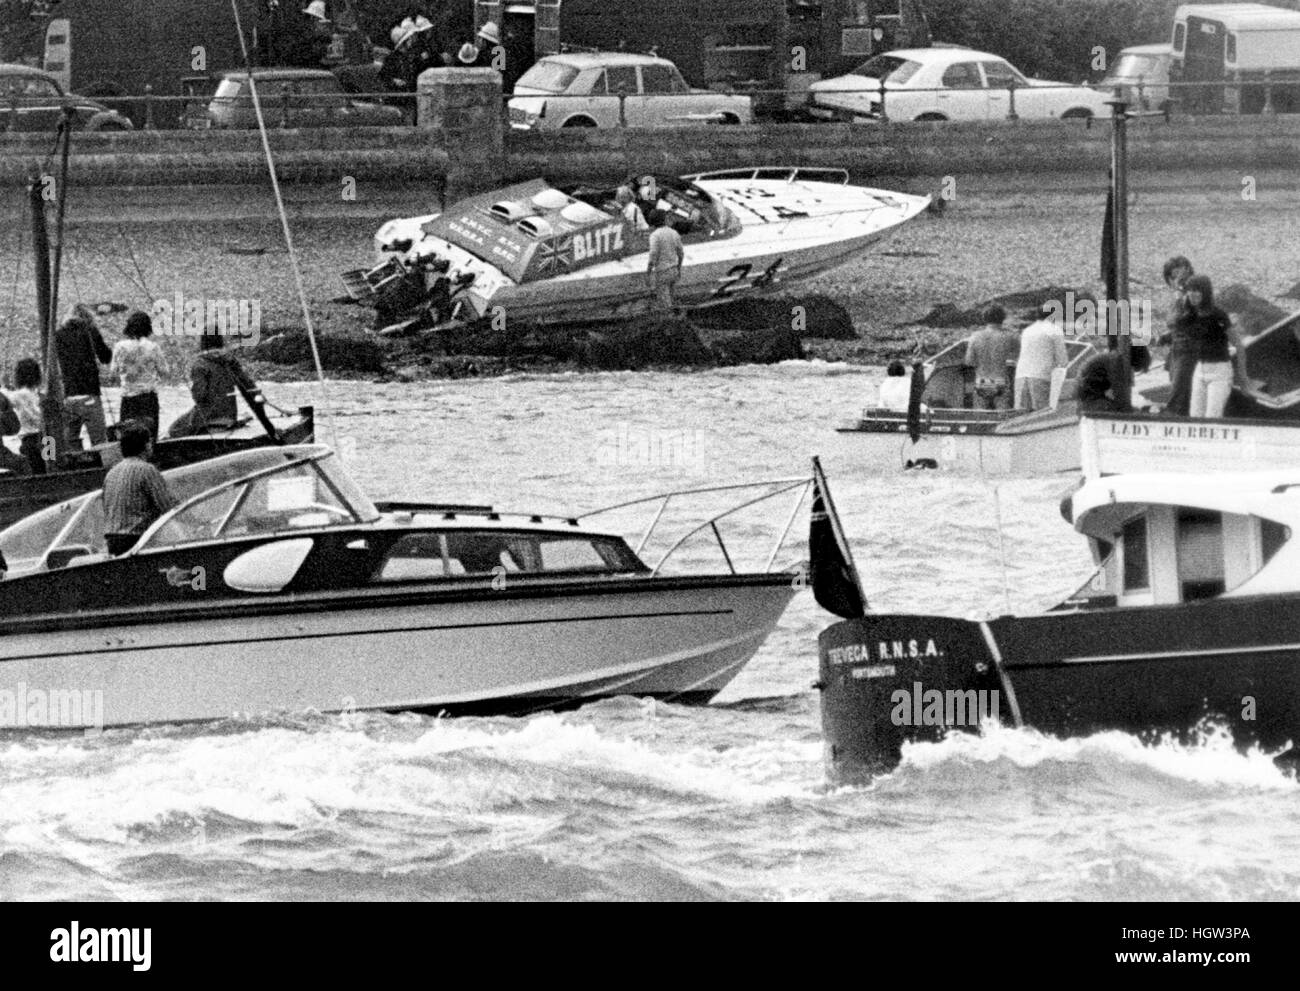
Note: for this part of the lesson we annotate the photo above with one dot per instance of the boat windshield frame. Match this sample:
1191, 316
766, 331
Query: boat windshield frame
350, 497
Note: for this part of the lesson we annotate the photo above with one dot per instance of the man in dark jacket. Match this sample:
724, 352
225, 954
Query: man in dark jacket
215, 377
81, 350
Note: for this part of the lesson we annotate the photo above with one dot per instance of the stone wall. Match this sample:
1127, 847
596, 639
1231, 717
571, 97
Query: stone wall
462, 137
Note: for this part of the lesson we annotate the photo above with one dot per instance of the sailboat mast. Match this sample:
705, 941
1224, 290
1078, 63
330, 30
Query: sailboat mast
1119, 191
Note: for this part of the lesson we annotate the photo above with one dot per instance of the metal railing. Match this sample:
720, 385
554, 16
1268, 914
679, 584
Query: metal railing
777, 487
1269, 93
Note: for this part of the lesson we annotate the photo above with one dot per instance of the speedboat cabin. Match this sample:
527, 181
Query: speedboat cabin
290, 519
1168, 539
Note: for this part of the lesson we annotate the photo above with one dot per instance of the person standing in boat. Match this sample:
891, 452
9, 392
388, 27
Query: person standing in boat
1042, 351
896, 391
992, 353
138, 363
1181, 361
629, 209
9, 425
1105, 381
135, 492
81, 350
1209, 332
26, 402
664, 268
215, 377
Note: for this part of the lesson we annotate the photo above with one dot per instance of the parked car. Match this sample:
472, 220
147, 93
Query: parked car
292, 98
33, 100
947, 83
1141, 74
582, 89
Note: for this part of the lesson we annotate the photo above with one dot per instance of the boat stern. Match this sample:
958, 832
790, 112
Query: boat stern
889, 680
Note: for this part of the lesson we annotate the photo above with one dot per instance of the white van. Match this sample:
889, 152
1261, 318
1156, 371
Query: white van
1253, 50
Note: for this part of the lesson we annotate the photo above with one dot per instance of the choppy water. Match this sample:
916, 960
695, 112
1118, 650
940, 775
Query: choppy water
632, 800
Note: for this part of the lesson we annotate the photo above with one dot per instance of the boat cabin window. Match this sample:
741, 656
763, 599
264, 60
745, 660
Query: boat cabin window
1137, 562
1200, 554
422, 556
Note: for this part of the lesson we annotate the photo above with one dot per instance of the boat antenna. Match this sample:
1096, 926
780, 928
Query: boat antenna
284, 219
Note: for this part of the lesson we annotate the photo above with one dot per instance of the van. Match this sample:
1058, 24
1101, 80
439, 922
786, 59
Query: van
1237, 58
1141, 75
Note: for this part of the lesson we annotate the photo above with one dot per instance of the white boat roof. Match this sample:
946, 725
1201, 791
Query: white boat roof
1102, 505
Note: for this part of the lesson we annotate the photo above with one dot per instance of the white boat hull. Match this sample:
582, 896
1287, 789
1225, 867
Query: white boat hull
1037, 444
505, 655
1113, 445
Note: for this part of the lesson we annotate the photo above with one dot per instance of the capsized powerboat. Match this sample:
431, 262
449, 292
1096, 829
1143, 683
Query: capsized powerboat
951, 434
277, 585
1191, 622
539, 253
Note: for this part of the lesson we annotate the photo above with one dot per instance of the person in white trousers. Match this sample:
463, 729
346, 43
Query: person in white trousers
1209, 330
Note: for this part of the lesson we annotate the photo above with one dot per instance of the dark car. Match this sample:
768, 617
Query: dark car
33, 100
294, 98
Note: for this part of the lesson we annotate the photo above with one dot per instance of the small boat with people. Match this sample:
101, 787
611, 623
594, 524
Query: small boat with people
274, 583
1189, 625
577, 253
941, 425
58, 466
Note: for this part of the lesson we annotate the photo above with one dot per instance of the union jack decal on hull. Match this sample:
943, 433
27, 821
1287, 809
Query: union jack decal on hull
555, 255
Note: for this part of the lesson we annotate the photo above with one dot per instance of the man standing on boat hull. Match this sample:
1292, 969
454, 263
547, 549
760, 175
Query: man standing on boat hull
666, 258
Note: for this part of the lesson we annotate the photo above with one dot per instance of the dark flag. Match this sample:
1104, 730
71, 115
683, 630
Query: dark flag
914, 402
1109, 261
835, 581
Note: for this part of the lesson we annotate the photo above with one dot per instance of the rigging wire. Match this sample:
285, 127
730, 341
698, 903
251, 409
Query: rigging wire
284, 219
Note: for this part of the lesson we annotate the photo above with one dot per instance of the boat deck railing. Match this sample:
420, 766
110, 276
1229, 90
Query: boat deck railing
779, 172
774, 488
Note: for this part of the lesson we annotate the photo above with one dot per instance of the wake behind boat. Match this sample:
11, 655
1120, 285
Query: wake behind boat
555, 255
276, 584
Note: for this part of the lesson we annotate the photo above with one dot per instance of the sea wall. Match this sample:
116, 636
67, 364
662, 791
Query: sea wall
416, 154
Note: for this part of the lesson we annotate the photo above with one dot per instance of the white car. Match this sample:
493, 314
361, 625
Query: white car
947, 84
582, 89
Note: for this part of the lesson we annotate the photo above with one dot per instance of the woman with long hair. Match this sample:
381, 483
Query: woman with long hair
1208, 330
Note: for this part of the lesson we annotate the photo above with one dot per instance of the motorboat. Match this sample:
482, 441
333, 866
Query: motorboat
79, 472
1189, 625
950, 433
276, 584
544, 254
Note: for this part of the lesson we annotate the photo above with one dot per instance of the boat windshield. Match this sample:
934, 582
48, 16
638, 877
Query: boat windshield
78, 524
310, 491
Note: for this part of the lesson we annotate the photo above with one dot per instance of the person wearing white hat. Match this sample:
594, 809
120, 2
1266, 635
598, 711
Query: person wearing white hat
303, 40
482, 51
